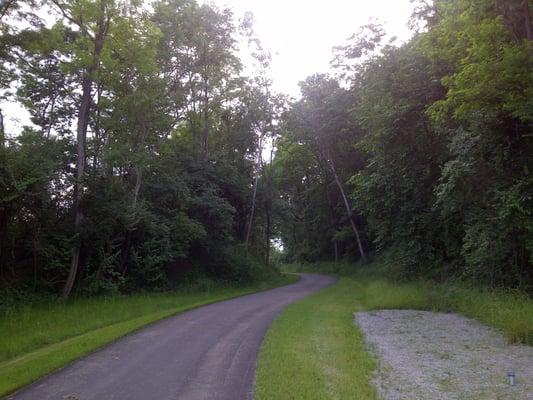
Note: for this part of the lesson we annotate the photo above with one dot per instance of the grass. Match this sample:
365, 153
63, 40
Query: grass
314, 351
509, 311
36, 340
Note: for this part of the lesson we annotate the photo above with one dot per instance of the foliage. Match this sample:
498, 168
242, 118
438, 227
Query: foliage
422, 149
173, 130
439, 135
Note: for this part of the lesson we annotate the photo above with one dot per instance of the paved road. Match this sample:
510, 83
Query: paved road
204, 354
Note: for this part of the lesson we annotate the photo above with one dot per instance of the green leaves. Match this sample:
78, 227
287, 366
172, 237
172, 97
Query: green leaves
443, 125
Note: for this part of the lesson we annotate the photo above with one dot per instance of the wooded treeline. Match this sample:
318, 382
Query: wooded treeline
431, 141
142, 160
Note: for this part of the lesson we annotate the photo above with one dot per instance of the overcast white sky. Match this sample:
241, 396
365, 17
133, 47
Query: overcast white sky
300, 33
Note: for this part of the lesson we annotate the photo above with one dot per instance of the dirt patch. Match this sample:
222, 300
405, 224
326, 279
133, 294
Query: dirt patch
434, 356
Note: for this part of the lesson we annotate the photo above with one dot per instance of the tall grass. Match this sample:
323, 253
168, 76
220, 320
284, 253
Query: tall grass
26, 328
509, 311
36, 339
314, 350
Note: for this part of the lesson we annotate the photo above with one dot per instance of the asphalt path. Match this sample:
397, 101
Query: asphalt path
205, 354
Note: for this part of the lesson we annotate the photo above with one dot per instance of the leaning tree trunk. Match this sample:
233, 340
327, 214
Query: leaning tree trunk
348, 210
83, 123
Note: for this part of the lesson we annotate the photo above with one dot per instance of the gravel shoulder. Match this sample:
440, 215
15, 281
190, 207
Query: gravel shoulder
435, 356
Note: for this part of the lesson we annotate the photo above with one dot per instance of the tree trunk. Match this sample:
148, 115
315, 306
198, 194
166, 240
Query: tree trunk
137, 189
205, 133
348, 210
256, 181
2, 131
252, 211
97, 136
83, 123
269, 203
268, 227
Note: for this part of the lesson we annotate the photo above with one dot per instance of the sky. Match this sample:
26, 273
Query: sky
299, 34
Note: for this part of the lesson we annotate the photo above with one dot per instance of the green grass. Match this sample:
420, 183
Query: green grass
509, 311
36, 340
314, 350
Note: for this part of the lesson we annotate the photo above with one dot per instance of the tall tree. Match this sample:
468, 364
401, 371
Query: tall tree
93, 34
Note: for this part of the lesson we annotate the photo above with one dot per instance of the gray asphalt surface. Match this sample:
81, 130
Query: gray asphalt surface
204, 354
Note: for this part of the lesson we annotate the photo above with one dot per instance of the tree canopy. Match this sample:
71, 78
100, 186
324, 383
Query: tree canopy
146, 161
433, 138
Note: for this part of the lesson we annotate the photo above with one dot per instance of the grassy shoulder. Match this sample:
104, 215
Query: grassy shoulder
36, 340
314, 351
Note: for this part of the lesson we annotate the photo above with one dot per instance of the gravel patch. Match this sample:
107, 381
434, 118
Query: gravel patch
435, 356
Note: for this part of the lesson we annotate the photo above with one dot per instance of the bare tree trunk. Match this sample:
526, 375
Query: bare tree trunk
83, 123
348, 210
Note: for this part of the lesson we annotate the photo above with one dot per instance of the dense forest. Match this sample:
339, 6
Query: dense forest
139, 163
153, 155
423, 151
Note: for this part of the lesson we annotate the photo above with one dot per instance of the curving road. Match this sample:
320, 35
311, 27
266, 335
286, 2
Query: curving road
205, 354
